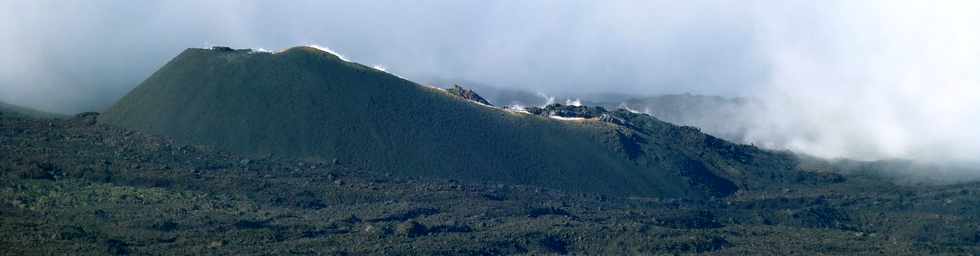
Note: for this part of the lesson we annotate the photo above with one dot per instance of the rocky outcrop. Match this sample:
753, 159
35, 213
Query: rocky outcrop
568, 111
467, 94
586, 112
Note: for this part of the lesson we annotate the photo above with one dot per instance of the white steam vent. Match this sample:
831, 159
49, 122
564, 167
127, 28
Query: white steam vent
517, 108
548, 100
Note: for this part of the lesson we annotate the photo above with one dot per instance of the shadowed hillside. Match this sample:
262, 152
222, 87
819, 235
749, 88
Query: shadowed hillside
308, 103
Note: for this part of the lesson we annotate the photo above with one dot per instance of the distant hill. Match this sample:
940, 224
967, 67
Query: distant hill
304, 102
18, 111
727, 118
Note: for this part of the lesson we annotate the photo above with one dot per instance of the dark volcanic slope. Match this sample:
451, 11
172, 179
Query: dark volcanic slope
68, 187
304, 102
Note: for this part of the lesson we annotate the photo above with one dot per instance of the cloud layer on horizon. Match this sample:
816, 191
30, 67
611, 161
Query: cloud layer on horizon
868, 80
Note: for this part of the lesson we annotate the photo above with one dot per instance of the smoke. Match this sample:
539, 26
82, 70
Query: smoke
865, 80
548, 100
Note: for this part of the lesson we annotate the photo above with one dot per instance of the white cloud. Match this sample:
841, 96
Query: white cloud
872, 81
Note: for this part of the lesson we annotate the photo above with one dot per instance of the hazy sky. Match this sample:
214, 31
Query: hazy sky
865, 79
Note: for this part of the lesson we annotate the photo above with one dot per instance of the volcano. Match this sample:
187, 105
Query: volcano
311, 104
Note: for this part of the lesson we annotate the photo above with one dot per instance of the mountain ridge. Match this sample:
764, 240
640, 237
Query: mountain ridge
306, 102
